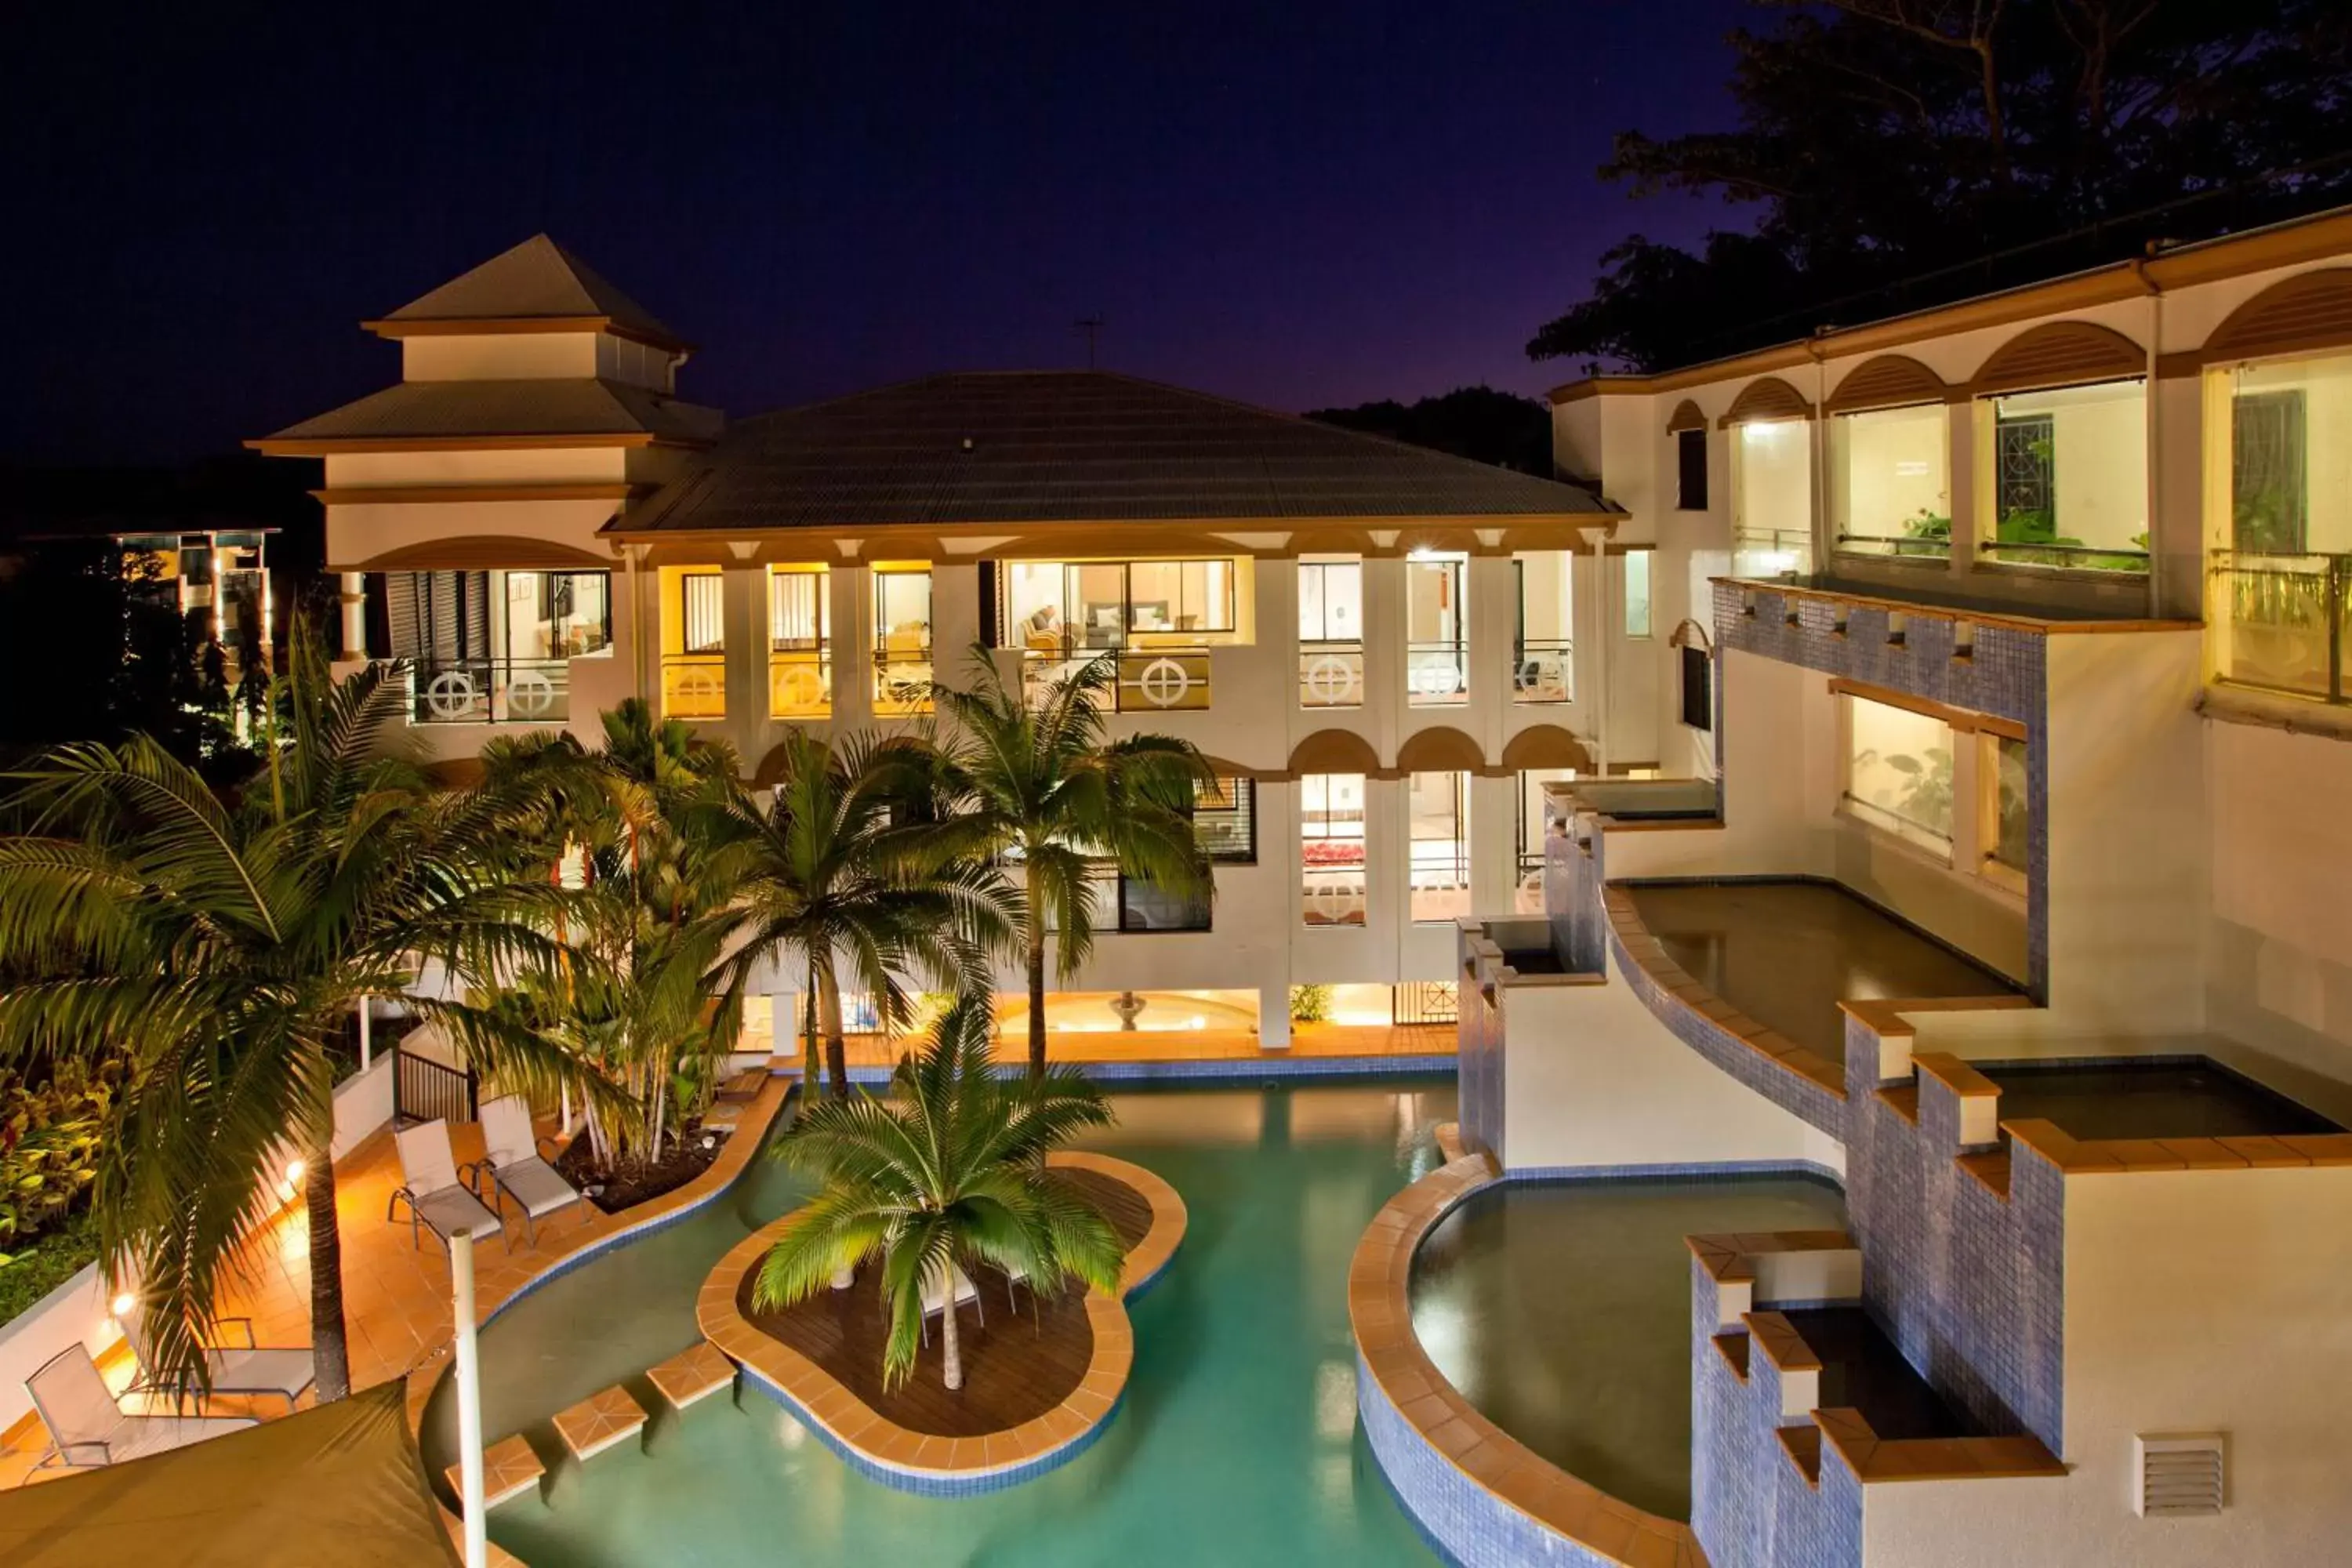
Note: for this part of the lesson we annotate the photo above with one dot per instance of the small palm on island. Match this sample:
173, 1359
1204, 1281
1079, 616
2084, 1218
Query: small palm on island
947, 1172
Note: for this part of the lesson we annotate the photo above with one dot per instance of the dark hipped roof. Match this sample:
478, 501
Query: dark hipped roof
1077, 445
436, 409
537, 279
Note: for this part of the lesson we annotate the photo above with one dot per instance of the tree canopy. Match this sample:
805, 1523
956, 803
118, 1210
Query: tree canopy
1474, 422
1903, 154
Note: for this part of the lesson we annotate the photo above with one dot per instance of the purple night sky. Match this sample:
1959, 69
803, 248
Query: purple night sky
1292, 205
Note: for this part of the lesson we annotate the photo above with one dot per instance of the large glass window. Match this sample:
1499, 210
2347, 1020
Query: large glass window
902, 638
694, 642
1440, 842
1890, 481
1331, 632
2067, 477
2279, 591
800, 642
1898, 771
1543, 662
1772, 497
1054, 606
2000, 774
1331, 849
558, 614
1224, 820
1637, 593
1437, 661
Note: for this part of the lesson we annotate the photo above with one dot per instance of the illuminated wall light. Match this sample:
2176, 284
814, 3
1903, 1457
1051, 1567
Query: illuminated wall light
121, 1307
294, 1171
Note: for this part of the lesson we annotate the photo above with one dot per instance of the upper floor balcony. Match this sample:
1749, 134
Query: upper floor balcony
2276, 620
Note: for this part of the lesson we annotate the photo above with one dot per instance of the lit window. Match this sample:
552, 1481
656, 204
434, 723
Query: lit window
1440, 843
694, 642
2289, 527
1772, 499
1637, 592
1890, 481
1437, 649
2002, 781
1543, 665
1528, 899
558, 614
1224, 821
902, 639
1898, 773
2066, 478
1331, 849
800, 626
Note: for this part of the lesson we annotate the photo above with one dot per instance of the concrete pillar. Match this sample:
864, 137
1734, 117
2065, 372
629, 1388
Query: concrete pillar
1387, 880
1274, 1018
853, 647
353, 599
1384, 653
746, 612
1494, 842
1491, 597
475, 1514
1961, 450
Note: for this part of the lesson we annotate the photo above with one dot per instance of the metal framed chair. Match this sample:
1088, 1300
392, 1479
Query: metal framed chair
88, 1429
438, 1200
247, 1369
516, 1168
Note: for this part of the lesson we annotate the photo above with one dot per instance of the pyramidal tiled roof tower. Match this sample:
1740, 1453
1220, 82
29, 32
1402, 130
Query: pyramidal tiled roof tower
538, 280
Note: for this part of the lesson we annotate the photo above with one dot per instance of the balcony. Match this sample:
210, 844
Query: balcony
2279, 620
1437, 674
800, 683
490, 692
694, 686
902, 682
1542, 671
1144, 679
1330, 675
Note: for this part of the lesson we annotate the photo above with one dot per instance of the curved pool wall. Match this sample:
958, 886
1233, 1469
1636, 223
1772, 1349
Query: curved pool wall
1236, 1441
1481, 1497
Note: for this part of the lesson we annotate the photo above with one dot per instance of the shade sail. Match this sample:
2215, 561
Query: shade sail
338, 1485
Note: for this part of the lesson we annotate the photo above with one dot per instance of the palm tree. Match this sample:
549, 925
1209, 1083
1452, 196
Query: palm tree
218, 946
1045, 788
950, 1173
828, 872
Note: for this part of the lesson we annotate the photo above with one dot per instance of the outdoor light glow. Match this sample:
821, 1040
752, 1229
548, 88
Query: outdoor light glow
120, 1306
294, 1171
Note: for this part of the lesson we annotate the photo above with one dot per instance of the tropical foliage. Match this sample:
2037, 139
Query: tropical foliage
948, 1174
216, 945
1040, 788
842, 866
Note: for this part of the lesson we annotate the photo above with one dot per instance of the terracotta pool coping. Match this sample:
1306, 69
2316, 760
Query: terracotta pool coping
921, 1462
1380, 1312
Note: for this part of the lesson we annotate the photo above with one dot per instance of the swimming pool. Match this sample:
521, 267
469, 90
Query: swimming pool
1561, 1310
1237, 1444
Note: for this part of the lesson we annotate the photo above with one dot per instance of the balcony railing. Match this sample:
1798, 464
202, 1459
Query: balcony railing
694, 685
2280, 620
1330, 675
902, 681
1331, 881
1903, 546
490, 692
1770, 552
2075, 557
800, 683
1542, 671
1437, 674
1144, 679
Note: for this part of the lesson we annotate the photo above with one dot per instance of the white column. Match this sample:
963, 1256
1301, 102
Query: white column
1492, 605
853, 647
745, 608
1274, 1018
354, 605
469, 1401
1384, 653
367, 1050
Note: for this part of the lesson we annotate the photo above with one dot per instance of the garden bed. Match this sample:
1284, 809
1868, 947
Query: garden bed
41, 1266
634, 1183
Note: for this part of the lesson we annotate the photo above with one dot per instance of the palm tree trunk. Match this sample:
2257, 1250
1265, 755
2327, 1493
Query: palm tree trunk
837, 1050
949, 1347
1036, 983
329, 1342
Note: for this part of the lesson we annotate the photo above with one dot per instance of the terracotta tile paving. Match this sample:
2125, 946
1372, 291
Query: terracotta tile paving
693, 1375
509, 1468
599, 1422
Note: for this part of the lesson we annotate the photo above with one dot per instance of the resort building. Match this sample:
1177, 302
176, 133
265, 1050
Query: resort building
1378, 645
1996, 663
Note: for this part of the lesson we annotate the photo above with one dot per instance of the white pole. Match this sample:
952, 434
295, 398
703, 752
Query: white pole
367, 1049
567, 1110
469, 1401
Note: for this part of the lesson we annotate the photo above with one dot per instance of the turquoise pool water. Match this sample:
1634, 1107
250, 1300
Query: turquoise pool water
1237, 1443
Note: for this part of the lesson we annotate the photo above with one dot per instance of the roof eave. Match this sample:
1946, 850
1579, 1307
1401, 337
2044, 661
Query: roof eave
329, 446
621, 527
503, 326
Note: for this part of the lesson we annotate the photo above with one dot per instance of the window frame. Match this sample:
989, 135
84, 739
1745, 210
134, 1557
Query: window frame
1464, 855
1321, 834
1689, 497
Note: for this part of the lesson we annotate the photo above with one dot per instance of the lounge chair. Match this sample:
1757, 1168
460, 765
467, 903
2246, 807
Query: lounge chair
88, 1430
437, 1200
516, 1169
247, 1368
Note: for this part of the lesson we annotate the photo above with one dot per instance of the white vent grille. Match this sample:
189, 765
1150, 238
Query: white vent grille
2178, 1478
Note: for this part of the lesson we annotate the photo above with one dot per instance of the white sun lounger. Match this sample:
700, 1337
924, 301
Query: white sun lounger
247, 1368
437, 1200
516, 1168
88, 1429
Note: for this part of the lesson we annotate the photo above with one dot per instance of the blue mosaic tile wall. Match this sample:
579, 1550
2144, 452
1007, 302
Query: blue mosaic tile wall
1480, 1058
1750, 1508
2005, 675
1816, 1104
1572, 879
1971, 1288
1467, 1524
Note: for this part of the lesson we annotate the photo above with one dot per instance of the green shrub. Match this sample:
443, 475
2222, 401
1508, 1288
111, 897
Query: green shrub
28, 1276
1310, 1003
49, 1147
